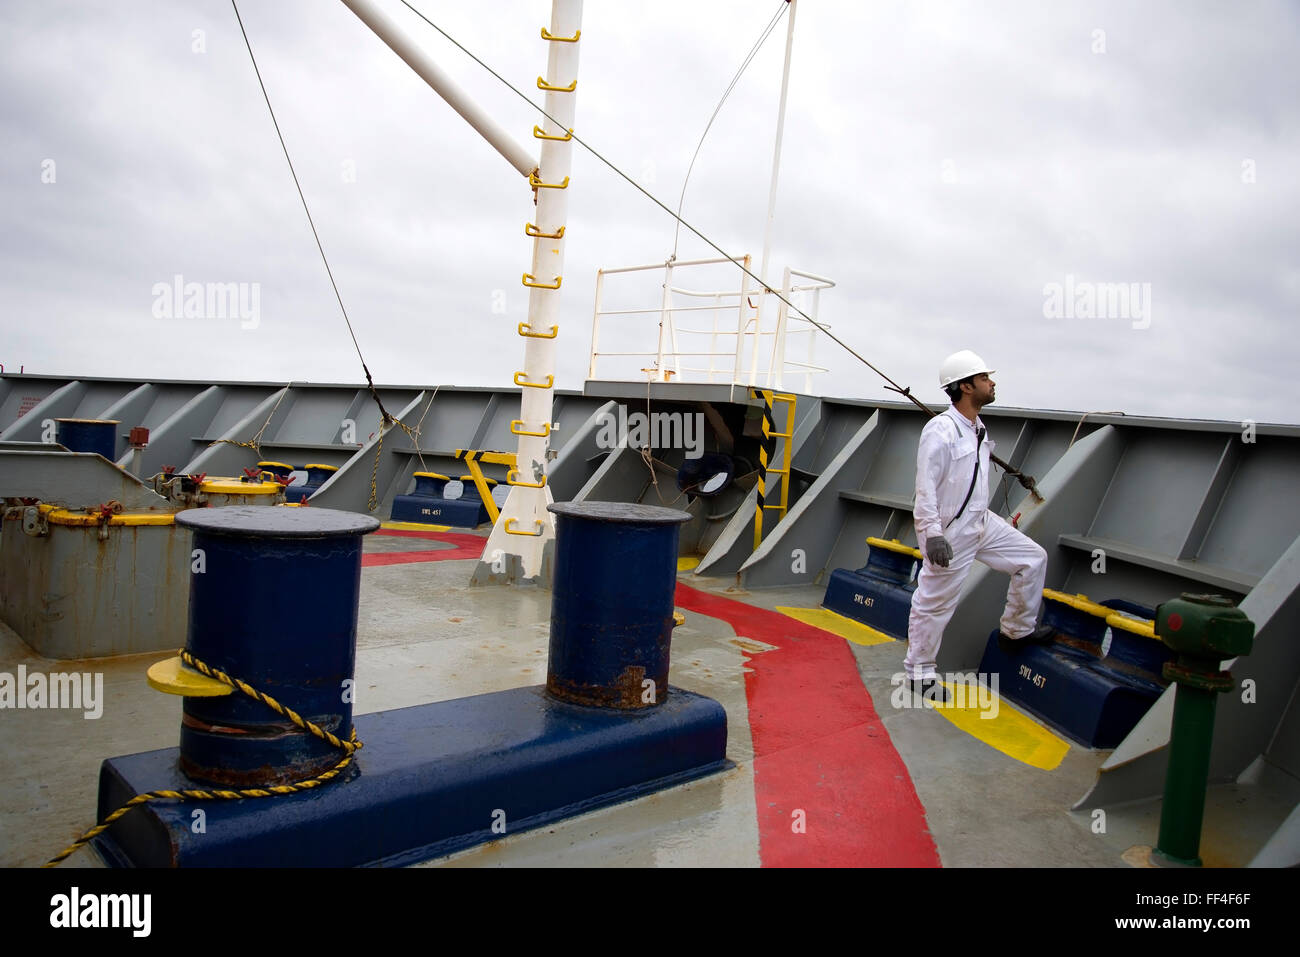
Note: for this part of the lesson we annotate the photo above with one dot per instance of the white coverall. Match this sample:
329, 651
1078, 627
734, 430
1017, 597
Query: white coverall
945, 460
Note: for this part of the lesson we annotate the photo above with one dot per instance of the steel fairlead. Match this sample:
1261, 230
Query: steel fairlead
349, 748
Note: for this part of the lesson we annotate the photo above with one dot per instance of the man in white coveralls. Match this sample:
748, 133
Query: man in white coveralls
954, 527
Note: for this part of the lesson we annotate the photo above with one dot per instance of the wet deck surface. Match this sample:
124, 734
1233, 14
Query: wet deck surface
426, 635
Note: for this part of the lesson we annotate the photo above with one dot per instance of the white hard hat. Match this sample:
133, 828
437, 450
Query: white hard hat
961, 365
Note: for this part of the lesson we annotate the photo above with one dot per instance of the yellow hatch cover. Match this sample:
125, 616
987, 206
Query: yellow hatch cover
235, 487
63, 516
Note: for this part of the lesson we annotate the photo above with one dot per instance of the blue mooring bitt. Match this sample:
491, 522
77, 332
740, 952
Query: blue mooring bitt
440, 777
88, 435
243, 620
428, 503
317, 476
430, 780
612, 619
1110, 645
425, 503
878, 595
430, 484
1095, 685
469, 497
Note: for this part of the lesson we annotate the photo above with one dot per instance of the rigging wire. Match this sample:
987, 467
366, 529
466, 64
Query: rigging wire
1026, 480
753, 51
387, 419
654, 199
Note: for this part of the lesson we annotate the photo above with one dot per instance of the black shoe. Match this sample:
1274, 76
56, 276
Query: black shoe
1039, 636
929, 689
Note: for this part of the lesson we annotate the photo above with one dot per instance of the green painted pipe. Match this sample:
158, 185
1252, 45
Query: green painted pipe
1204, 630
1189, 768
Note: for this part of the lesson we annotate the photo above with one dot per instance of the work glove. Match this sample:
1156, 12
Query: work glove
938, 551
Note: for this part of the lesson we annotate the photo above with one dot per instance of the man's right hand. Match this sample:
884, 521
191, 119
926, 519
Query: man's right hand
938, 551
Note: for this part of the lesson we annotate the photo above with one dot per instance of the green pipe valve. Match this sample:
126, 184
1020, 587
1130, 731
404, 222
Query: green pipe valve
1203, 630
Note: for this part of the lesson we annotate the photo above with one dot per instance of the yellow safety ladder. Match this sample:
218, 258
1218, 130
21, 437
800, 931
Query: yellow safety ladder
770, 398
472, 458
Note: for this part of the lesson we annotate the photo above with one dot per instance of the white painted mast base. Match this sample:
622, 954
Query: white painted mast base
505, 562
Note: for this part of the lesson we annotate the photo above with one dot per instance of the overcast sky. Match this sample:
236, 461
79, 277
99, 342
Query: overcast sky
945, 164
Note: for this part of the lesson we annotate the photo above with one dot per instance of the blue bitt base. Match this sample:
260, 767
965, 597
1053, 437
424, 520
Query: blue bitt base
1093, 704
299, 493
418, 508
439, 511
1117, 646
430, 780
879, 604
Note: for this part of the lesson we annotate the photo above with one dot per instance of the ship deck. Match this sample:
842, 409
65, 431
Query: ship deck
828, 768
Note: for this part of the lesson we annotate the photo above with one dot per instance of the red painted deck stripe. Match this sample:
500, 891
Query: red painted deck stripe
819, 747
431, 535
464, 546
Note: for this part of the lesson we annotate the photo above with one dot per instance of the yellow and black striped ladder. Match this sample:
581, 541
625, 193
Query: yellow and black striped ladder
766, 454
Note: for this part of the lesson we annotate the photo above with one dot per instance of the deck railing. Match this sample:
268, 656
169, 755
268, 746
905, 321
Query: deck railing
747, 328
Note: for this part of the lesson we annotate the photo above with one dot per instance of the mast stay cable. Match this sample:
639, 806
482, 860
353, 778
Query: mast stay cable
387, 419
1025, 480
753, 51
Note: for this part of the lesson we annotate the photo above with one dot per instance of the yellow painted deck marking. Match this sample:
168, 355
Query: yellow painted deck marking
837, 624
687, 562
416, 527
1014, 734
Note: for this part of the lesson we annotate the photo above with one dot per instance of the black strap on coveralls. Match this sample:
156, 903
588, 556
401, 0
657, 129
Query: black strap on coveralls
979, 437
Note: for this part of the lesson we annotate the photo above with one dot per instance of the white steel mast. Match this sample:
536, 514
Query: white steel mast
517, 548
387, 29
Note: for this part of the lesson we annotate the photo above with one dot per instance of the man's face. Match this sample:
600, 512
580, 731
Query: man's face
983, 390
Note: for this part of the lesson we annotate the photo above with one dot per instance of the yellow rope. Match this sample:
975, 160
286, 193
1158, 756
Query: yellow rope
349, 748
267, 700
414, 434
256, 442
373, 503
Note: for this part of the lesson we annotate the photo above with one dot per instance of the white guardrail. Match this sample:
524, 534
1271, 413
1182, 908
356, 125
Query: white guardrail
743, 338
